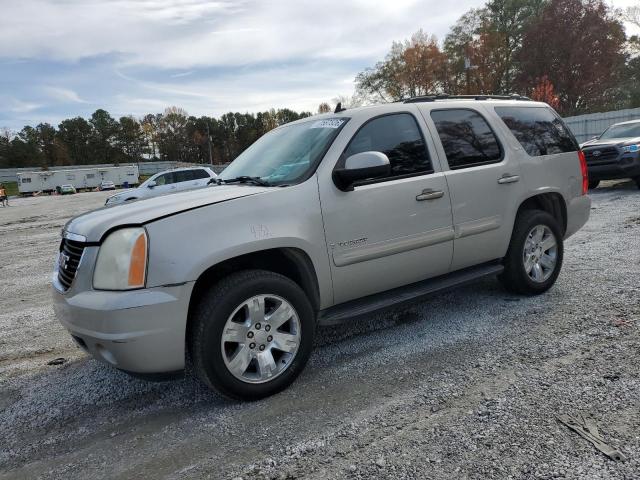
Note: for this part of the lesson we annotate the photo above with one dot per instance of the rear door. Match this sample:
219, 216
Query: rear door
200, 177
484, 179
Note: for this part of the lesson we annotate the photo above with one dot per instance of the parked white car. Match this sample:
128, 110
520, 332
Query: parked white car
107, 185
177, 180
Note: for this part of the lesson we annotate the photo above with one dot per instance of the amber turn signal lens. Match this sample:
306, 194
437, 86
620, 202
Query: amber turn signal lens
138, 264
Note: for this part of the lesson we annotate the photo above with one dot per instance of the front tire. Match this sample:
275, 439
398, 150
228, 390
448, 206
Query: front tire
251, 334
534, 258
637, 180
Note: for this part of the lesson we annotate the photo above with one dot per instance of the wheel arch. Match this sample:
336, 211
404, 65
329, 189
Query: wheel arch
550, 202
291, 262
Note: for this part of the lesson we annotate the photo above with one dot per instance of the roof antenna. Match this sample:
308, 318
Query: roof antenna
339, 108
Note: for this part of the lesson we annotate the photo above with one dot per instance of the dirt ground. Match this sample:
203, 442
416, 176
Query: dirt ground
467, 384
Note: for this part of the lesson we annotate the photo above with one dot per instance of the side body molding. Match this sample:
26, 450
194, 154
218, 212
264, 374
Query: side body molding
358, 254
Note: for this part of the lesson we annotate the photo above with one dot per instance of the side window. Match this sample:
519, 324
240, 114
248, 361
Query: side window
538, 129
165, 179
183, 176
399, 138
199, 173
466, 137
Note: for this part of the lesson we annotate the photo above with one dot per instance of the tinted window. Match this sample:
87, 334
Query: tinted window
183, 175
539, 130
466, 138
398, 137
199, 173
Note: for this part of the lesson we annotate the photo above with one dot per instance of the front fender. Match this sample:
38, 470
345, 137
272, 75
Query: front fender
183, 246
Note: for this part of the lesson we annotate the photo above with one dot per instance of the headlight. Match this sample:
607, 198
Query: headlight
631, 148
122, 260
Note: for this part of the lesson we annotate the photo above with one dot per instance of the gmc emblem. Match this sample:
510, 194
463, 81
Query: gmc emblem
63, 260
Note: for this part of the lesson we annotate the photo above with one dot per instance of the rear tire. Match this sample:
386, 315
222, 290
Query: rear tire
593, 184
637, 180
534, 258
251, 334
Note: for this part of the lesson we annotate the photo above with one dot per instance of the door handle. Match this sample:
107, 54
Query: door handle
429, 194
506, 178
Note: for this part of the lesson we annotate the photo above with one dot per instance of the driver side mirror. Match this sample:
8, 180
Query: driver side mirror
151, 184
361, 166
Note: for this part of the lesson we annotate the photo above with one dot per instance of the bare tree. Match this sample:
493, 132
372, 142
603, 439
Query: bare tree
324, 108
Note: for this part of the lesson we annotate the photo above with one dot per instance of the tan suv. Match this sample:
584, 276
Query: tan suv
322, 220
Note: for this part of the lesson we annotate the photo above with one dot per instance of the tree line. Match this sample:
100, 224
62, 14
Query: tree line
572, 54
171, 135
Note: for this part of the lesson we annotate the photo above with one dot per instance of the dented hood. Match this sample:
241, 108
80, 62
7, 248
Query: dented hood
93, 225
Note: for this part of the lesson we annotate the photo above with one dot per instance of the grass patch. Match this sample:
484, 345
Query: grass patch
11, 188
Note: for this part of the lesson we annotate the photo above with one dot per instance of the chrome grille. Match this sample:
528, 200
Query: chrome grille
596, 155
70, 255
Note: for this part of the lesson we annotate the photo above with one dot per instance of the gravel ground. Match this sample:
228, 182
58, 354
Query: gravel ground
464, 385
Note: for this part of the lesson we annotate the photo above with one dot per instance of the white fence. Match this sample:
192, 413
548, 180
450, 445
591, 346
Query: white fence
144, 168
587, 126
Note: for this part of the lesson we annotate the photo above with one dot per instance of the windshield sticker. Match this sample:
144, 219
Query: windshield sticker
331, 123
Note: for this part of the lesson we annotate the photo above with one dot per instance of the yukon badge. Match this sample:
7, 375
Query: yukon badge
353, 243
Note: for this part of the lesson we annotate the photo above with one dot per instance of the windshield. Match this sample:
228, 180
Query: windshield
622, 131
287, 154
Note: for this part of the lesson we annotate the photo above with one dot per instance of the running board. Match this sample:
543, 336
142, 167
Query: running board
380, 301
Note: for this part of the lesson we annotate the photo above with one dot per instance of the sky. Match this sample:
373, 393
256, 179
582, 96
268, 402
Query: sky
64, 58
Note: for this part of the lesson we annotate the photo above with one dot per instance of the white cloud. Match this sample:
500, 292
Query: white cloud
18, 106
63, 95
188, 33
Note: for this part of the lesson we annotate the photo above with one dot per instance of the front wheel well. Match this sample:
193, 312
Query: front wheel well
552, 203
290, 262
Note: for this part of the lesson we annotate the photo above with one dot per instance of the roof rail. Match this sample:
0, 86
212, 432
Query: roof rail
444, 96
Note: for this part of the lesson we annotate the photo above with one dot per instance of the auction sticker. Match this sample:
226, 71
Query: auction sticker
330, 123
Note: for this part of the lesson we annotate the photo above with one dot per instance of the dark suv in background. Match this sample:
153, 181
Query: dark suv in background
614, 154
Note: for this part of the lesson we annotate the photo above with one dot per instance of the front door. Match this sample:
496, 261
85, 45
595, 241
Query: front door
165, 183
392, 231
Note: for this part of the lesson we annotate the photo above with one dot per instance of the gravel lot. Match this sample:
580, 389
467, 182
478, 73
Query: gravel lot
464, 385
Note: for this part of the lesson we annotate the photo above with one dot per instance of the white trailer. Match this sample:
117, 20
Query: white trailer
47, 181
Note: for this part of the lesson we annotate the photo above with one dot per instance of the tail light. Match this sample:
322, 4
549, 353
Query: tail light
585, 173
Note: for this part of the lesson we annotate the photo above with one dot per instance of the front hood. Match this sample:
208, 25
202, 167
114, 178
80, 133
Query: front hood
93, 225
610, 142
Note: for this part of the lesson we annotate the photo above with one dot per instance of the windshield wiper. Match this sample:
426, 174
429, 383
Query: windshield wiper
243, 179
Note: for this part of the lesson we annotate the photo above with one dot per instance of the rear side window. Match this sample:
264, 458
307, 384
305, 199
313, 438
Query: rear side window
538, 129
399, 138
199, 173
466, 137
